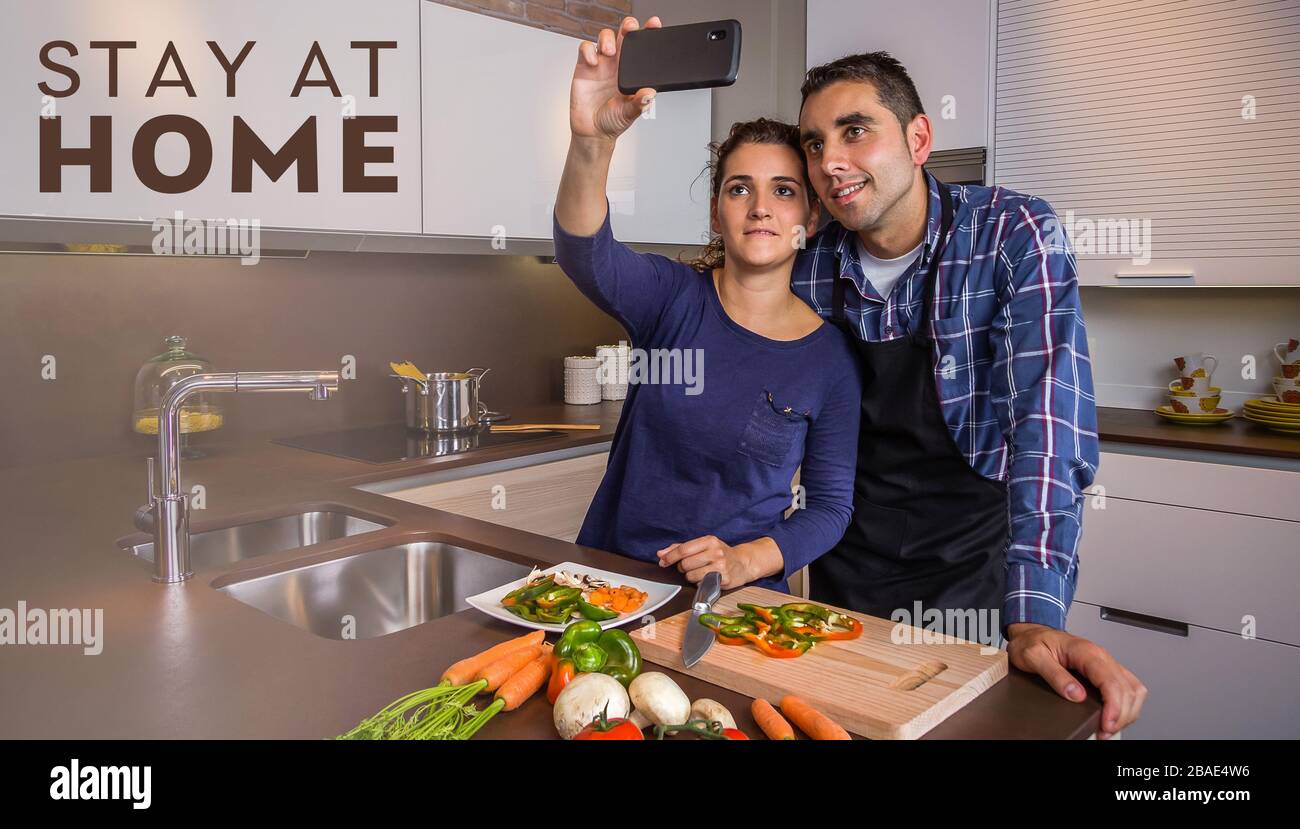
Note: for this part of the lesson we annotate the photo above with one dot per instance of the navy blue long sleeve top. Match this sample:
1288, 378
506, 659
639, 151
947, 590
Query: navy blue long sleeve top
717, 418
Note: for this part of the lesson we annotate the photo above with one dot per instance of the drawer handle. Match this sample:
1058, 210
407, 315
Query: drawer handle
1138, 620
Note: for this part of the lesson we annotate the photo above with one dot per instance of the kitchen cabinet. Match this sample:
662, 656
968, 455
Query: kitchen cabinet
496, 132
945, 45
1206, 684
1186, 575
548, 498
1165, 137
284, 33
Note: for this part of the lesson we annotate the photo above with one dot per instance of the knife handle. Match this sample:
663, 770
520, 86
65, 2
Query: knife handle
709, 590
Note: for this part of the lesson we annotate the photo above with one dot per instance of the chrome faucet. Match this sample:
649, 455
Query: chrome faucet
167, 515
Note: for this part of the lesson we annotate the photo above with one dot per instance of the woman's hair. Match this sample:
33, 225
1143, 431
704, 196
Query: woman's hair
758, 131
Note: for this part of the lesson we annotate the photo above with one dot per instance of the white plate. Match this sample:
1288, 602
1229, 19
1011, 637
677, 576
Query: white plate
657, 594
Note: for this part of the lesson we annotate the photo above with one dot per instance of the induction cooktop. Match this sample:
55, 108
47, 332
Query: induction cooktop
393, 442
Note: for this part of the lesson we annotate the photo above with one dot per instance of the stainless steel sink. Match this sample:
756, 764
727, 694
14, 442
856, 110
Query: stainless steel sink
229, 545
377, 592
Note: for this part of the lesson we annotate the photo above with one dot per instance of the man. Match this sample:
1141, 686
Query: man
978, 431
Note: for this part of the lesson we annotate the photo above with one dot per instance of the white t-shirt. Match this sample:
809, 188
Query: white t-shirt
883, 273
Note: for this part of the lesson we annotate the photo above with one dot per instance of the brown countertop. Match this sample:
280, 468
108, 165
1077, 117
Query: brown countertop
188, 661
1237, 435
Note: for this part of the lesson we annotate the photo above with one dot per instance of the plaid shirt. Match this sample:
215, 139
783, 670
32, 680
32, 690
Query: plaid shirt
1011, 368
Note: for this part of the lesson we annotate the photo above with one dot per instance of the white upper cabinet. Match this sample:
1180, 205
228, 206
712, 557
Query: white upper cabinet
1166, 135
943, 43
359, 173
496, 132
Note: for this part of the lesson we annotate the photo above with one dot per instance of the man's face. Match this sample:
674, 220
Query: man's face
860, 160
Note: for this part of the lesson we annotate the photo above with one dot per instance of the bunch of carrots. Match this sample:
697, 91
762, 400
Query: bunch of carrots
513, 670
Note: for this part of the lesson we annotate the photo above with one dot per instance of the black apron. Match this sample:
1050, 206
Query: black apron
926, 527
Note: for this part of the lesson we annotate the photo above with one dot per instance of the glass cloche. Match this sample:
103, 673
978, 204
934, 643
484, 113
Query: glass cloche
157, 375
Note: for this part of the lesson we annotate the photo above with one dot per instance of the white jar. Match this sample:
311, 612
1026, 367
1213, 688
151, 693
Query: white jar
582, 380
613, 370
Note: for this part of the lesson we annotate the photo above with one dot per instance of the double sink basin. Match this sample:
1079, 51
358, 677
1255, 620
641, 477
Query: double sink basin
359, 596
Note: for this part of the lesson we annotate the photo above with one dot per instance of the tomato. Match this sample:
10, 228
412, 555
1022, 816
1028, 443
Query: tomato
615, 729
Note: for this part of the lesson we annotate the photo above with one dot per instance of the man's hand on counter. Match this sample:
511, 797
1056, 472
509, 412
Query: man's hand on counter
739, 564
1053, 653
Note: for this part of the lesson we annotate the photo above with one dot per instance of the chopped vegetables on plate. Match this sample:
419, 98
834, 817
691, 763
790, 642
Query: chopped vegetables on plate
555, 598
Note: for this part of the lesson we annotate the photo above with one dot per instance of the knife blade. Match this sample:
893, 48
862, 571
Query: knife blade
698, 639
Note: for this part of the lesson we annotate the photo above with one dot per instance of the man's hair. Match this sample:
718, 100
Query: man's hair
893, 85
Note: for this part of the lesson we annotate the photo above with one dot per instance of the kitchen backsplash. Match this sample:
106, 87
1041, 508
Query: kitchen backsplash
100, 317
1134, 334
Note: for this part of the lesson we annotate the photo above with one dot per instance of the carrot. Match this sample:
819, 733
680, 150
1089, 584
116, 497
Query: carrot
527, 681
462, 673
813, 722
507, 666
770, 720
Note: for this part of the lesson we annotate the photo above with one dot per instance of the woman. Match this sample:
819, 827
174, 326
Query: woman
701, 481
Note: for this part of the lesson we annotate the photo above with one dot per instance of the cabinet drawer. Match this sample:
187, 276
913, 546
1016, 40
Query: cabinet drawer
1205, 685
1190, 565
1241, 489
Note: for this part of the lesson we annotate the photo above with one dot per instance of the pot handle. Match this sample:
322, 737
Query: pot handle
481, 372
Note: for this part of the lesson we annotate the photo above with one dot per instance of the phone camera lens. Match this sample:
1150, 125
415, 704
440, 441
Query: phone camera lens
718, 34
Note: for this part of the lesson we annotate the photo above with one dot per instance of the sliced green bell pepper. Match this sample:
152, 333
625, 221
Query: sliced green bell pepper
594, 612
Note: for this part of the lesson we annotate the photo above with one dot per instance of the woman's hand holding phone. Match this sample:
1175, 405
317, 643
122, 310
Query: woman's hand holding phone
597, 110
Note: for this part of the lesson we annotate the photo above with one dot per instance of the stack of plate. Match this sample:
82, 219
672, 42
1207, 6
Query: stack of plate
1273, 413
1195, 418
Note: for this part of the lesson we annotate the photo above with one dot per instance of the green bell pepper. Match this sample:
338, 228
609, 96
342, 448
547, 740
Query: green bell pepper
588, 658
581, 641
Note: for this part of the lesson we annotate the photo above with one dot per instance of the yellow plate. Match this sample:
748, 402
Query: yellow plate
1209, 418
1271, 404
1272, 419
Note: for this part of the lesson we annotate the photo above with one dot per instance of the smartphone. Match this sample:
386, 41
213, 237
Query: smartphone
690, 56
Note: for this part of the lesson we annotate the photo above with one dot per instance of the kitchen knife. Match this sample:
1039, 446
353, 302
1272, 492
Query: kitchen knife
698, 639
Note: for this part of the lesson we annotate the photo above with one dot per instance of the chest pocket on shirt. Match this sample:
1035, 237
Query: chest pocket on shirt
773, 430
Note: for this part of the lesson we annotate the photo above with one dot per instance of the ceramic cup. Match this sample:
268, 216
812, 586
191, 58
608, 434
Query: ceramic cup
1288, 354
1195, 367
1194, 404
1287, 389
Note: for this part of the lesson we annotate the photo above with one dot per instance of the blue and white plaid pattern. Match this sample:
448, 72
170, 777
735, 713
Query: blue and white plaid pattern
1011, 368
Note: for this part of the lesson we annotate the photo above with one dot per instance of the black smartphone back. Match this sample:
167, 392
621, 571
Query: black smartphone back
690, 56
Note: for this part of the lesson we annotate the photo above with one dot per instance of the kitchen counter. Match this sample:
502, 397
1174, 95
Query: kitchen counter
188, 661
1236, 436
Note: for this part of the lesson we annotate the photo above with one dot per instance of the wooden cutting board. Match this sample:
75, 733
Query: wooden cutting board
871, 685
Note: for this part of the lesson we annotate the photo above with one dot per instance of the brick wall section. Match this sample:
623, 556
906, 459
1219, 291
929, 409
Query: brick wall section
580, 18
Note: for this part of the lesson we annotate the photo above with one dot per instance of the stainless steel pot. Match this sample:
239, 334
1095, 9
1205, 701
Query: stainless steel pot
445, 401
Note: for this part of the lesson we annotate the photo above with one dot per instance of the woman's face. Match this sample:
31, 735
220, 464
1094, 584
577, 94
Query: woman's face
762, 209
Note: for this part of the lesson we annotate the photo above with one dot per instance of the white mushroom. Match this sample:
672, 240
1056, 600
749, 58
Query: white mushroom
710, 710
657, 697
584, 698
